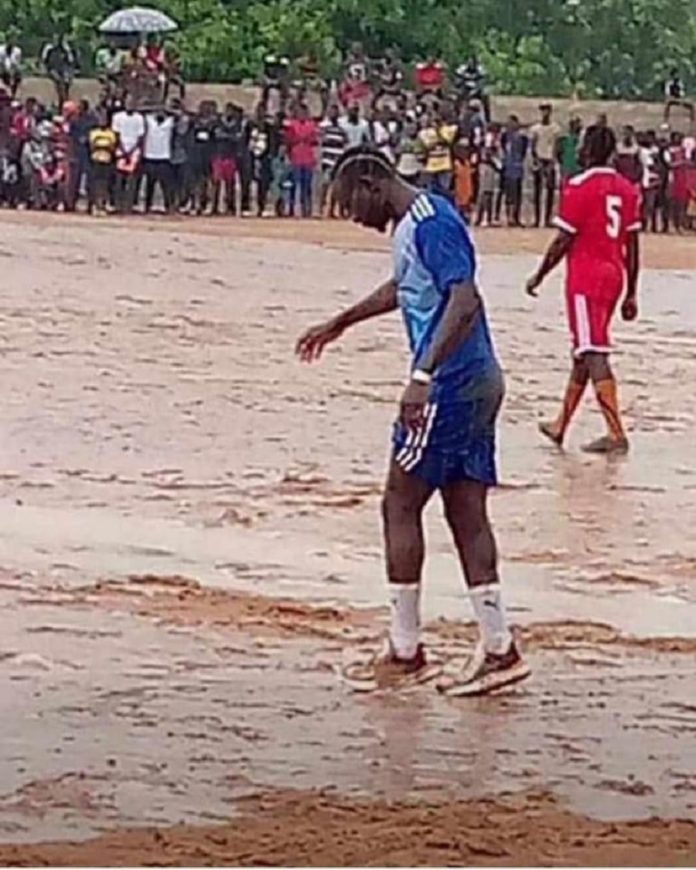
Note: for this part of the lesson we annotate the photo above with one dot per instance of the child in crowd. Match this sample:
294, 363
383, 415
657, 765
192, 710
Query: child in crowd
463, 178
281, 187
489, 180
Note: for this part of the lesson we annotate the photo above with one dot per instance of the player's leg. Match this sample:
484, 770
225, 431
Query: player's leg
402, 662
591, 326
538, 179
579, 376
403, 503
604, 382
550, 192
497, 661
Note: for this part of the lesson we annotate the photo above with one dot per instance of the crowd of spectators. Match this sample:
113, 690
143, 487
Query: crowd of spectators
140, 149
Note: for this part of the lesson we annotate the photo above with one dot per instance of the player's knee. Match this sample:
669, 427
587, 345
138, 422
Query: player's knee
464, 515
398, 509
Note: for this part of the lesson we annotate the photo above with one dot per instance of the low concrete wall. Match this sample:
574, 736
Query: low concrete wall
641, 115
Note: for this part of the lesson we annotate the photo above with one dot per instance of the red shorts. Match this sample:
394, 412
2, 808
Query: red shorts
224, 170
589, 318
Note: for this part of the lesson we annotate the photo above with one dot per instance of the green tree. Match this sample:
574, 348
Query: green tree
612, 48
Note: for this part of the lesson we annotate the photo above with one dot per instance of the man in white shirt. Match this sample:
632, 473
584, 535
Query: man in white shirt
11, 64
357, 129
544, 135
159, 131
129, 126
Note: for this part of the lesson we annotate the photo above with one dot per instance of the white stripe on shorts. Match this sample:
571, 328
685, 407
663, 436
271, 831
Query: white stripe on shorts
412, 452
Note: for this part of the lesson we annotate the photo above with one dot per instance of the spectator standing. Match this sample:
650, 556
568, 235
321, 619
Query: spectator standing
246, 162
463, 177
357, 129
276, 80
567, 151
472, 124
355, 86
129, 127
490, 169
381, 133
181, 150
201, 155
11, 63
515, 145
470, 79
102, 142
390, 78
650, 180
157, 162
80, 127
263, 143
678, 181
334, 142
227, 139
627, 160
61, 64
108, 63
302, 137
544, 140
281, 184
437, 138
675, 95
662, 166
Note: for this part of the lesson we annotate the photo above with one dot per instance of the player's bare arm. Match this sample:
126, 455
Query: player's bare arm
629, 307
456, 324
557, 250
311, 344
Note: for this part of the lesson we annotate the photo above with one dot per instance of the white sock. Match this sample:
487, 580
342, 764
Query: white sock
490, 612
404, 631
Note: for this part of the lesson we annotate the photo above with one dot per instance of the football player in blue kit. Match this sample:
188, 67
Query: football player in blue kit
444, 438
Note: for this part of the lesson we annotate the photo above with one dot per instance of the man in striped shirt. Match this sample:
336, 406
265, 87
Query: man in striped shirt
333, 143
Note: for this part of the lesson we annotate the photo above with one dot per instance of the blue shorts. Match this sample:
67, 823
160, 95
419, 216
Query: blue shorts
457, 440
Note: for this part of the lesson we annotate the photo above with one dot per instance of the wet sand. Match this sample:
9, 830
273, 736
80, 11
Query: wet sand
189, 547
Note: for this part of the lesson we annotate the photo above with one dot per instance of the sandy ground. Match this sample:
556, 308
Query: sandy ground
189, 547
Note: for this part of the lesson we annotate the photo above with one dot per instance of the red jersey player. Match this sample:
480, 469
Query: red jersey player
598, 233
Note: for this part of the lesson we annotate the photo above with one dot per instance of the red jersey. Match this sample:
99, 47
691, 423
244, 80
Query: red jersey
600, 208
430, 76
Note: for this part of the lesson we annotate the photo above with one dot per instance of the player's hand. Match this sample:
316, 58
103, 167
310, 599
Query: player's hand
629, 308
412, 407
532, 286
311, 344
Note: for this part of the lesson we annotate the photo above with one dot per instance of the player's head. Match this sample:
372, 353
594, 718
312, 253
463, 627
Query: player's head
363, 183
598, 146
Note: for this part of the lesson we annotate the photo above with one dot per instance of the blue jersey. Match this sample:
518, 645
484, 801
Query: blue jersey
433, 252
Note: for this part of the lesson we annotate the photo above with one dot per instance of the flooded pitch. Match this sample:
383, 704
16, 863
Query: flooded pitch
190, 545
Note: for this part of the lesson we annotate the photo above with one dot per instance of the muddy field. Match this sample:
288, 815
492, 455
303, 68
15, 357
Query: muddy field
190, 545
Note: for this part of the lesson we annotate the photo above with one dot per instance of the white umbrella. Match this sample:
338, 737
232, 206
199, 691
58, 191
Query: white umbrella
138, 19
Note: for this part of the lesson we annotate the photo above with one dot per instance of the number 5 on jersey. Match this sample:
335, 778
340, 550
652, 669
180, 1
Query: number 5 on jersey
613, 206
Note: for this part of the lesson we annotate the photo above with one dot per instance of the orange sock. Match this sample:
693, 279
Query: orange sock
609, 404
574, 392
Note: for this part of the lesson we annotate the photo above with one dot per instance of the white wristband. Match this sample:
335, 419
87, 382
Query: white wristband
421, 377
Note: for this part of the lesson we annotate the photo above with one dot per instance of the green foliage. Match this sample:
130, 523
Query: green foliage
613, 48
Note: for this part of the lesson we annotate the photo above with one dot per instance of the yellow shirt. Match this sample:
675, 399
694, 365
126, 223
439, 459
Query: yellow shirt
102, 145
437, 144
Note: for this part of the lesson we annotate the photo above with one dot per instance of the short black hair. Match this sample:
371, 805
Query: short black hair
599, 144
362, 161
